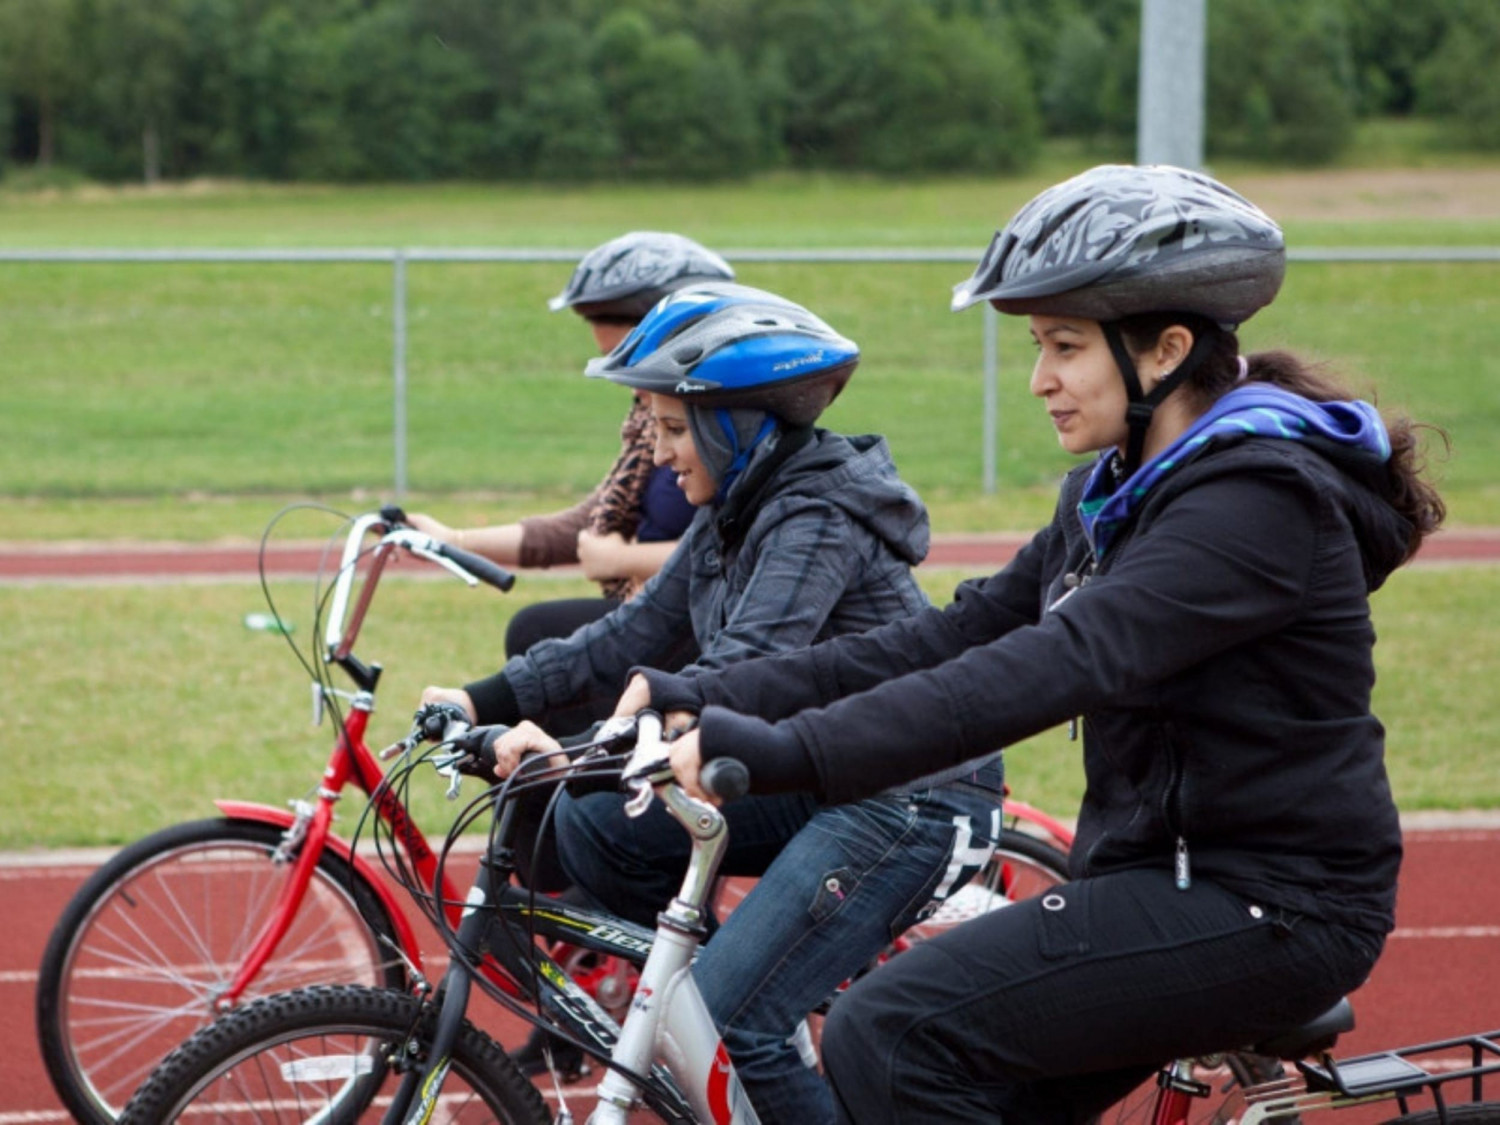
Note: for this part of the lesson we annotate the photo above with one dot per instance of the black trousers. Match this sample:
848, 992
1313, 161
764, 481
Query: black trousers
1052, 1009
552, 619
538, 864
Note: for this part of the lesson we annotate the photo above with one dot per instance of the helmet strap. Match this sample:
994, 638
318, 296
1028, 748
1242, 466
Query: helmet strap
1142, 405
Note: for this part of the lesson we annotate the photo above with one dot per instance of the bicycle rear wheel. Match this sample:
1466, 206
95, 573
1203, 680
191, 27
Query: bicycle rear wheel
149, 942
1022, 867
329, 1054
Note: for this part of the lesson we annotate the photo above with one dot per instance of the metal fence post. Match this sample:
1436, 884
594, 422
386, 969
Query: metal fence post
398, 366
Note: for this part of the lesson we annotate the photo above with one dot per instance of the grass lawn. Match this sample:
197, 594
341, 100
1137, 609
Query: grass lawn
169, 387
189, 401
134, 706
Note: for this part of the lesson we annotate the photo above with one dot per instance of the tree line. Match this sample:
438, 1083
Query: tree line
364, 90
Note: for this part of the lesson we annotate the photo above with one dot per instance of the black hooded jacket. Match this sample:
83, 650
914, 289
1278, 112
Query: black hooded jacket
1220, 656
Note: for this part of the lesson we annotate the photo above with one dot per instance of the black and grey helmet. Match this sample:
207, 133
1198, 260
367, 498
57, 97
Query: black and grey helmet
721, 344
624, 278
1120, 239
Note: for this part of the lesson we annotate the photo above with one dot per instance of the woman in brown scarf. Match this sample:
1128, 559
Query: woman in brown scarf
623, 531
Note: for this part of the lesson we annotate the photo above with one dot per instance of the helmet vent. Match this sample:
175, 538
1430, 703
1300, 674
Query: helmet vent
688, 354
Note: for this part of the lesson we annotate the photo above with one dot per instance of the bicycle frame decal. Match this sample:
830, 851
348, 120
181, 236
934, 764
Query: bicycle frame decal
431, 1090
719, 1087
390, 807
603, 937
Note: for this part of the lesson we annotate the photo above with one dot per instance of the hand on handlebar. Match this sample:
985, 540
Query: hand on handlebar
686, 764
521, 741
435, 528
637, 698
456, 696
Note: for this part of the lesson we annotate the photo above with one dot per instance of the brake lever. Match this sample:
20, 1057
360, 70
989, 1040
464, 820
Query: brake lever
432, 722
425, 546
649, 764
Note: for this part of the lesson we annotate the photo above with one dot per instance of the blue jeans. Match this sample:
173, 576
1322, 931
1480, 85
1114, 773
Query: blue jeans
836, 885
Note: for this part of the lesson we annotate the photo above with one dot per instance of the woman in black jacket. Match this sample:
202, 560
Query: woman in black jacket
1200, 600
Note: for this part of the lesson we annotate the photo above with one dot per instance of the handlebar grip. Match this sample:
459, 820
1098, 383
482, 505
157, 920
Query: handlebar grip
433, 718
484, 754
479, 566
725, 778
394, 515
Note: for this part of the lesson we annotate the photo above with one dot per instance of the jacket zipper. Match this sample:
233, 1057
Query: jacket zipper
1171, 810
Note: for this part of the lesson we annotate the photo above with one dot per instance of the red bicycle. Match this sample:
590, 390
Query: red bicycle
191, 921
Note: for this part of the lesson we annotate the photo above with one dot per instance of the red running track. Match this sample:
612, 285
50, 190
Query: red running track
1439, 977
85, 562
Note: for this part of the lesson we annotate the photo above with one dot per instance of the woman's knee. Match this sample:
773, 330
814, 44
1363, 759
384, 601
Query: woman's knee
527, 626
853, 1045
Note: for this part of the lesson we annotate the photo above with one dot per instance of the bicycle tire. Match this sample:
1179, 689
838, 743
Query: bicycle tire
1021, 867
1226, 1076
1469, 1113
148, 941
324, 1053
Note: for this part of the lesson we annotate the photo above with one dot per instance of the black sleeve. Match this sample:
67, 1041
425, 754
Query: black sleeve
776, 761
494, 701
1221, 566
775, 687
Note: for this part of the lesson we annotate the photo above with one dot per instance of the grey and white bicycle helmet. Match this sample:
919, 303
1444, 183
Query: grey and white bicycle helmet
720, 344
624, 278
1119, 240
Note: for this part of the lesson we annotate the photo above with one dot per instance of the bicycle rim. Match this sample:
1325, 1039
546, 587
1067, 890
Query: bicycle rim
146, 947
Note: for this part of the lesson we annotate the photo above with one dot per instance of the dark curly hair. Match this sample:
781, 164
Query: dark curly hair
1407, 487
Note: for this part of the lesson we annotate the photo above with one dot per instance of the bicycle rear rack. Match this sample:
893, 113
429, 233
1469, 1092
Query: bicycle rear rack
1404, 1075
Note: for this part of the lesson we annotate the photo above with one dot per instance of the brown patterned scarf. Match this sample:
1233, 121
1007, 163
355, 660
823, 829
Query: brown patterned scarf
623, 490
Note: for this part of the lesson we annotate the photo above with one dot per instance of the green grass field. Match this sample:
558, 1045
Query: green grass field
189, 382
187, 401
137, 705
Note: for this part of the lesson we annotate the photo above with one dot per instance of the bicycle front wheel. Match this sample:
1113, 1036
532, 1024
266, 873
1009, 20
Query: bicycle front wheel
329, 1054
148, 944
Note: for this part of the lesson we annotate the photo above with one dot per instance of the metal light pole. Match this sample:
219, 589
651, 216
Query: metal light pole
1169, 117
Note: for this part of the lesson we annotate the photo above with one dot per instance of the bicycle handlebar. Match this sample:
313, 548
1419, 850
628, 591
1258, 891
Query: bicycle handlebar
725, 779
482, 568
390, 524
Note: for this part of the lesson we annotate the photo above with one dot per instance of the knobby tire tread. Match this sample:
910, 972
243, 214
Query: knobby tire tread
52, 1037
479, 1060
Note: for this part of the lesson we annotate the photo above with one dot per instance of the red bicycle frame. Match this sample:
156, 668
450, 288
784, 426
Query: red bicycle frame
308, 829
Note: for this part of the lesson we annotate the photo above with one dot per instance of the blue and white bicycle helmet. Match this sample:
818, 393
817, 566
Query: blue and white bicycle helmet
1120, 240
624, 278
721, 344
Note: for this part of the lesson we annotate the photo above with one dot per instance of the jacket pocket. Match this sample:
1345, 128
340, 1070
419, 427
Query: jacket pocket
1062, 923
